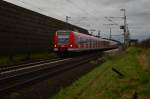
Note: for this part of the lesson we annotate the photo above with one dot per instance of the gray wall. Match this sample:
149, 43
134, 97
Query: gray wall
22, 30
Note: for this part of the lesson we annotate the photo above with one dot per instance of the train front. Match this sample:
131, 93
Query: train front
62, 41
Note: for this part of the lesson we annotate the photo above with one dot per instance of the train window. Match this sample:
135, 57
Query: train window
63, 39
77, 39
63, 33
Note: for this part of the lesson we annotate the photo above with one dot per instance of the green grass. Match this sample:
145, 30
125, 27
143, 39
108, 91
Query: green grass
4, 61
103, 83
19, 58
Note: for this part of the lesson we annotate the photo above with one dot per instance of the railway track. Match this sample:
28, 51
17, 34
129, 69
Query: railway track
7, 68
9, 80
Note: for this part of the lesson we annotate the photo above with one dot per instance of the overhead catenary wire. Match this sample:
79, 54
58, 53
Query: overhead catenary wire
31, 5
44, 10
34, 7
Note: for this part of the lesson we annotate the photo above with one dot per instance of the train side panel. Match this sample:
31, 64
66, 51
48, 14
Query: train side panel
77, 42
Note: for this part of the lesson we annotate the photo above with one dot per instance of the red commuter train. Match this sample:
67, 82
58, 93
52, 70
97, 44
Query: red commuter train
71, 41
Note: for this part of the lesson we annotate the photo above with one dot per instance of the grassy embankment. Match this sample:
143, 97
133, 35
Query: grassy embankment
19, 58
103, 83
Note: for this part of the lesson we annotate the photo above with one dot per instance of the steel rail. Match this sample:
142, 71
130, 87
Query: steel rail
7, 68
8, 83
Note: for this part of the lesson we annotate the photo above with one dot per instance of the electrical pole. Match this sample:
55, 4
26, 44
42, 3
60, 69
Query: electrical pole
110, 30
67, 19
126, 34
126, 31
124, 17
113, 23
99, 33
110, 33
92, 30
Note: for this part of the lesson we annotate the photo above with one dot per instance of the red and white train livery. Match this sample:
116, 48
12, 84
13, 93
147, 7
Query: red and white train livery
76, 42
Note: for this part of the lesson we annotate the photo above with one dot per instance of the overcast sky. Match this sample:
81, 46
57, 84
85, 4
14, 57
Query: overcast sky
90, 14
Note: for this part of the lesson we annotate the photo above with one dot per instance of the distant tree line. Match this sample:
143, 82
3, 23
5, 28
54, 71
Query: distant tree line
144, 43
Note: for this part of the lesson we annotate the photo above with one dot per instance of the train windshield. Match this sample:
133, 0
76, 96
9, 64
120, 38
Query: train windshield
63, 37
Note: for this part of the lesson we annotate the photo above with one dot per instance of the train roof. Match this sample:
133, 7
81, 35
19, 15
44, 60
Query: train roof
112, 40
89, 35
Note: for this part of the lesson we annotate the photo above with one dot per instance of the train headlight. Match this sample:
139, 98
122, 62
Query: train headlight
71, 45
55, 45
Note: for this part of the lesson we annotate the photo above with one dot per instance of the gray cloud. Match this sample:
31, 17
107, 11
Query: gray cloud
138, 13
